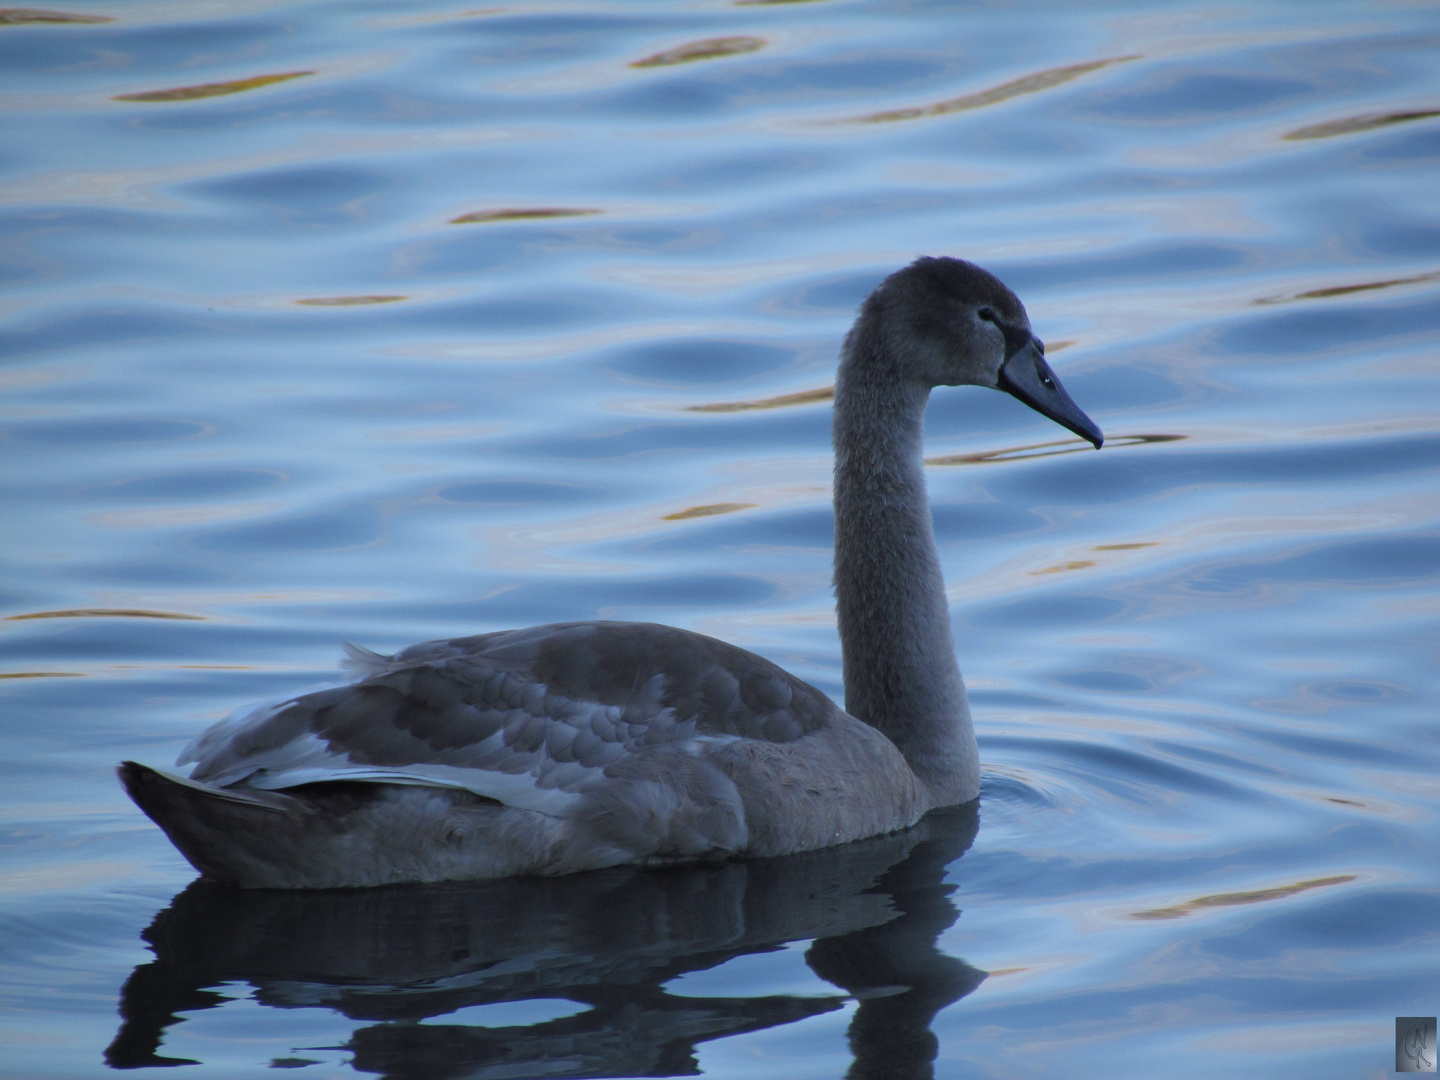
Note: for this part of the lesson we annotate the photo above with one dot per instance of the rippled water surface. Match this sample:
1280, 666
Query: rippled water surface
390, 321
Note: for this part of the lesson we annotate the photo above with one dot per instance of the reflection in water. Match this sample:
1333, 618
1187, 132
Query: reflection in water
1346, 290
1254, 896
208, 90
610, 940
15, 16
708, 49
1047, 449
1030, 84
349, 301
709, 510
1364, 122
104, 613
533, 213
803, 397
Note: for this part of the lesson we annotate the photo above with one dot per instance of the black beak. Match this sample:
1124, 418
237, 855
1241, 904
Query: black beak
1026, 375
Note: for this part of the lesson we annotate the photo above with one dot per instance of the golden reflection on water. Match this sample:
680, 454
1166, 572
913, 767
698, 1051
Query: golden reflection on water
349, 301
707, 511
708, 49
1074, 564
1256, 896
105, 613
16, 16
1029, 84
1345, 290
207, 90
1047, 449
481, 217
1352, 124
802, 397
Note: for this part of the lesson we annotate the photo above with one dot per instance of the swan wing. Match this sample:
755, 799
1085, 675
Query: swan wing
534, 718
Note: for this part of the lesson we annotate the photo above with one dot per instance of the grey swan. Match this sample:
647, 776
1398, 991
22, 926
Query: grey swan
582, 745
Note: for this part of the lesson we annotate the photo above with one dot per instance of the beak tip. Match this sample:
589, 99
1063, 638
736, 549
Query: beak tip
1086, 428
1036, 385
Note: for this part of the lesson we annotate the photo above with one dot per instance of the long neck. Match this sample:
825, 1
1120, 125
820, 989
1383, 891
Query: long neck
901, 676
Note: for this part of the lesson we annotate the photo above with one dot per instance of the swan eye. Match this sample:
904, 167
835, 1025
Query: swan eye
1049, 382
988, 314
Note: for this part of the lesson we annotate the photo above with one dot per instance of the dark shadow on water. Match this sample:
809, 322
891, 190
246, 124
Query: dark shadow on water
610, 940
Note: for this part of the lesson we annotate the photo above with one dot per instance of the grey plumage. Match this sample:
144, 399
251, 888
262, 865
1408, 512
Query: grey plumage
581, 745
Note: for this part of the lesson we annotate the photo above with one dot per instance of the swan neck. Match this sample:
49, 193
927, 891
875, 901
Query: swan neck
901, 675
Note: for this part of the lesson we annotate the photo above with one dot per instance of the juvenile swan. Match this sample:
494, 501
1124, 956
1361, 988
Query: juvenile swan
589, 744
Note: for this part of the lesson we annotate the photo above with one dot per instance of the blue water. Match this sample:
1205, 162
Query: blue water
263, 395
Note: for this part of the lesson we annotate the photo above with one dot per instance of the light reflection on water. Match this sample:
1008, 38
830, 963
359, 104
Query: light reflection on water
527, 314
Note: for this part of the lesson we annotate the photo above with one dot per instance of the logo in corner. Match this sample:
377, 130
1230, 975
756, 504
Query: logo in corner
1414, 1044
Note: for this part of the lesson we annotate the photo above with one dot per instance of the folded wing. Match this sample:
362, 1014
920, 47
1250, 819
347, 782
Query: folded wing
536, 719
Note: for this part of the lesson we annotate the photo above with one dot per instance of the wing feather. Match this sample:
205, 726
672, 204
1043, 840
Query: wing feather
531, 718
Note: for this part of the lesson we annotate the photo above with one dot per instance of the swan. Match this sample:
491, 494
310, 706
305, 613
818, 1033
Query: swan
581, 745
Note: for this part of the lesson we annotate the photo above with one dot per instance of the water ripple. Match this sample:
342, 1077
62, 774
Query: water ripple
388, 324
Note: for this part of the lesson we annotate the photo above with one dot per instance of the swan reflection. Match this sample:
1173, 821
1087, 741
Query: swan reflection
609, 941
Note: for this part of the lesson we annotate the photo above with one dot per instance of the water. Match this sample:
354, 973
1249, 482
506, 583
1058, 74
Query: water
264, 395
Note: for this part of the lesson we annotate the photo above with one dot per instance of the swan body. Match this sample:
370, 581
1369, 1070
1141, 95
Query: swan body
575, 746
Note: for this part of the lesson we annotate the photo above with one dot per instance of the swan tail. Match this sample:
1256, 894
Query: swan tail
362, 662
348, 834
217, 830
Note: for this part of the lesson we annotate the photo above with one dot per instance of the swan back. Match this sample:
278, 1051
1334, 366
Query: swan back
563, 747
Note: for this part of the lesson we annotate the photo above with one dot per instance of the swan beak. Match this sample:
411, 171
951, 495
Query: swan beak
1027, 376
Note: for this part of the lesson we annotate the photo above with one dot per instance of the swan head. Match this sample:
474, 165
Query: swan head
947, 322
